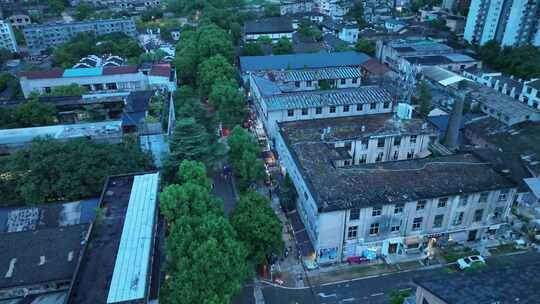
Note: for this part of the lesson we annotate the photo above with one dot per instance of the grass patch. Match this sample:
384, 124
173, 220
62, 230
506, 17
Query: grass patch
449, 269
451, 255
474, 267
503, 249
397, 297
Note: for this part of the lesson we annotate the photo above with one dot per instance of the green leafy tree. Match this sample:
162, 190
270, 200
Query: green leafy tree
49, 170
194, 172
229, 102
257, 226
252, 49
187, 58
357, 12
56, 7
84, 11
365, 46
282, 46
68, 90
244, 156
212, 70
188, 105
214, 41
424, 99
34, 114
271, 10
287, 194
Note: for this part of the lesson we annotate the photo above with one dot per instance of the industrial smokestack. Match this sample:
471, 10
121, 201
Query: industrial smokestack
452, 133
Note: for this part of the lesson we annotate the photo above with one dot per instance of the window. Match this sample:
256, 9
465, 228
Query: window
483, 197
372, 106
354, 214
318, 110
346, 108
412, 139
437, 221
346, 163
442, 202
304, 111
332, 109
458, 220
360, 107
379, 157
380, 142
376, 211
290, 113
363, 159
410, 155
309, 83
478, 214
395, 228
353, 232
503, 195
417, 223
498, 212
463, 199
386, 104
396, 155
47, 89
355, 80
297, 84
398, 208
397, 141
111, 86
343, 81
421, 205
374, 229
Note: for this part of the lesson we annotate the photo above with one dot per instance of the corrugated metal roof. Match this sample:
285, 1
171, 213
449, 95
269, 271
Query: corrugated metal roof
308, 99
301, 61
316, 74
132, 265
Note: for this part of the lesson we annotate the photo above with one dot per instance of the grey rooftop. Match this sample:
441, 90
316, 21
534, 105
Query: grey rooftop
301, 61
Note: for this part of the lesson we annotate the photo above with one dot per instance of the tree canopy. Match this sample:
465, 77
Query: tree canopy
282, 46
257, 226
50, 170
365, 46
29, 114
244, 156
213, 70
424, 99
522, 61
229, 102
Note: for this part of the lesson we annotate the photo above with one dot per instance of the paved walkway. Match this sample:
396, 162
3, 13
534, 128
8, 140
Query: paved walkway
156, 145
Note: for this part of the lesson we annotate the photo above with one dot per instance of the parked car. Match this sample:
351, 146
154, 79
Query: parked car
467, 262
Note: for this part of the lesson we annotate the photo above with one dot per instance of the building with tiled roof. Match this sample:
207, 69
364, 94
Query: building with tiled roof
100, 79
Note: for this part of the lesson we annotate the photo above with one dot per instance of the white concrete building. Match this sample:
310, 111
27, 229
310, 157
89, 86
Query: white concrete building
510, 22
390, 208
346, 31
7, 37
312, 94
100, 79
531, 93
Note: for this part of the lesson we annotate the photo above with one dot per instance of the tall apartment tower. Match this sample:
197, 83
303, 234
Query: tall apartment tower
510, 22
7, 37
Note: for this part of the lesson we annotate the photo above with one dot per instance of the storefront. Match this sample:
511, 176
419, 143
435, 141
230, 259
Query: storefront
392, 246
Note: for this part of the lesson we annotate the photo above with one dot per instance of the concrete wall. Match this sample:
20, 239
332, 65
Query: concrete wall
424, 296
274, 36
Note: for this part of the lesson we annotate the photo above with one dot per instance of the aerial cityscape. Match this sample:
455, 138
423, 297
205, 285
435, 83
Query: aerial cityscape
269, 151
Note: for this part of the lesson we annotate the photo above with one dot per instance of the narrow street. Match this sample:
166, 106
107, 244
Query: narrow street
371, 290
224, 189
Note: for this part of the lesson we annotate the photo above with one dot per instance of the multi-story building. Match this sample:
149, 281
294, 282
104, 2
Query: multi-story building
43, 36
312, 94
335, 9
510, 22
120, 4
289, 7
410, 55
274, 28
346, 31
7, 37
101, 79
391, 208
530, 93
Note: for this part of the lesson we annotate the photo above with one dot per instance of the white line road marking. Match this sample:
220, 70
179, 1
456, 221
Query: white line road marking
377, 294
323, 295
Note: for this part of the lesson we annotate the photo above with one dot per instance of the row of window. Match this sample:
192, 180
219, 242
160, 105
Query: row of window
331, 82
421, 204
374, 228
332, 109
97, 87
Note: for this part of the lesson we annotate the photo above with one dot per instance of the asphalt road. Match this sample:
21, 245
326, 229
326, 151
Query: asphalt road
223, 188
370, 290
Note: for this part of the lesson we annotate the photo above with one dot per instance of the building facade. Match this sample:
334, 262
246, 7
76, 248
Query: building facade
7, 37
101, 79
391, 208
43, 36
510, 22
319, 93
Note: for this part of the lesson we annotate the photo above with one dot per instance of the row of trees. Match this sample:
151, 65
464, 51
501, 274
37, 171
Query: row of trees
50, 170
521, 61
264, 45
208, 256
67, 54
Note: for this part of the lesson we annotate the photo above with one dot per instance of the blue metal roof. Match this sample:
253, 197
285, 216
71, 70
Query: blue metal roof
302, 61
83, 72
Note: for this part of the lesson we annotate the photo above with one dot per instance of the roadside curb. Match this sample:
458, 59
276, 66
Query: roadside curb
431, 267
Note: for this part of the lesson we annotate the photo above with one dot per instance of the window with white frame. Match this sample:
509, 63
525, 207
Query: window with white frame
374, 229
398, 208
354, 214
420, 205
395, 228
478, 214
443, 201
438, 220
376, 211
412, 139
417, 223
352, 232
458, 219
